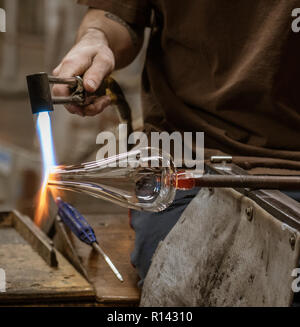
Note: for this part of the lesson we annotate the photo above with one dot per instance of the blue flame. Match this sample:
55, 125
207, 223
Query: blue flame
46, 142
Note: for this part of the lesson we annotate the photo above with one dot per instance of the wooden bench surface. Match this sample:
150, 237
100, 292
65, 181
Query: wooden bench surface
117, 240
30, 280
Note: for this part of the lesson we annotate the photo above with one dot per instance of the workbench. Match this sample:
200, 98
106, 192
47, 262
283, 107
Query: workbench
31, 280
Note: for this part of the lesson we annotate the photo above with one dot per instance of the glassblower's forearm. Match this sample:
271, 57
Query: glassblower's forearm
124, 40
104, 42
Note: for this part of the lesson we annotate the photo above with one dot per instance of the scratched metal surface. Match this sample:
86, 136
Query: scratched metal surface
217, 255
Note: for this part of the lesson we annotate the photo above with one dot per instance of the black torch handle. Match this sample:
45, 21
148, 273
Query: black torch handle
109, 87
78, 94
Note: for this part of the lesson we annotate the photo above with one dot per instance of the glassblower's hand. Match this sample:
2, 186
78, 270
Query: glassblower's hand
93, 59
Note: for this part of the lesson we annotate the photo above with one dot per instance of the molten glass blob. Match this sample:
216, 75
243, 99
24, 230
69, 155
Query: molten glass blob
143, 179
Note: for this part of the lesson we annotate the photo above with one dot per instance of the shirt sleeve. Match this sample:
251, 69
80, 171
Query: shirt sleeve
135, 12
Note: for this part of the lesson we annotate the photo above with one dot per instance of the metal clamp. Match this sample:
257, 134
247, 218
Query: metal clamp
221, 159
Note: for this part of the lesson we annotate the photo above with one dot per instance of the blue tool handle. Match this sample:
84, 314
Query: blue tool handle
76, 222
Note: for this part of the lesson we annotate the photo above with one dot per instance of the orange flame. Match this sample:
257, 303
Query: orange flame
49, 161
42, 210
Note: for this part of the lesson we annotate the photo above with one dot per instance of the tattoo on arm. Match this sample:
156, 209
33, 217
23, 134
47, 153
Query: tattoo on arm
132, 33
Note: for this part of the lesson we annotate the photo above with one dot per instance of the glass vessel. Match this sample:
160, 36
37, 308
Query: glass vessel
142, 179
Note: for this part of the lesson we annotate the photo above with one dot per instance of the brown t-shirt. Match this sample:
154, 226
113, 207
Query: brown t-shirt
227, 68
